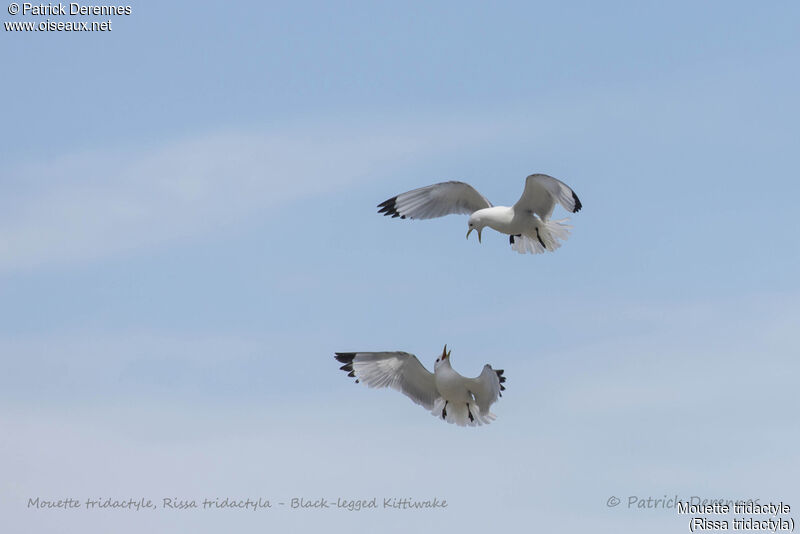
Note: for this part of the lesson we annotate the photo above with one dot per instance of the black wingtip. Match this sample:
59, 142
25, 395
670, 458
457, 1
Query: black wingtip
501, 378
347, 359
578, 204
389, 208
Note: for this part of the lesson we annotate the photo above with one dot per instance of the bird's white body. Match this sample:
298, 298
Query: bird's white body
527, 223
526, 231
503, 219
448, 395
507, 220
451, 385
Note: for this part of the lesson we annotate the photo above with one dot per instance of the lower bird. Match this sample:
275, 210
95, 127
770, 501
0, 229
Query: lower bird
527, 222
447, 394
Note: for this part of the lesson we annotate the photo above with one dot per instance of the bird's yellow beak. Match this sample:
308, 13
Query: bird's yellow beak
469, 232
479, 233
445, 354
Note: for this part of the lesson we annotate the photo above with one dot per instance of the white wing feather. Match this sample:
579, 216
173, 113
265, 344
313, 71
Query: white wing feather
398, 370
486, 388
541, 194
435, 200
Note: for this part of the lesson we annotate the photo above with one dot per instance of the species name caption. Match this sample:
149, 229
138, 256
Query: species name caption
251, 504
706, 517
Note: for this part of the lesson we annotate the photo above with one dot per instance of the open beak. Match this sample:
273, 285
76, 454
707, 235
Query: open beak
479, 233
445, 353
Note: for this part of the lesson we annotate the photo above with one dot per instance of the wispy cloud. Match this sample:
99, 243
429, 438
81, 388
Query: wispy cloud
90, 205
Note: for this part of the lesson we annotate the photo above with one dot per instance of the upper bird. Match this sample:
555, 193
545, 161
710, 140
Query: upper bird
447, 394
527, 222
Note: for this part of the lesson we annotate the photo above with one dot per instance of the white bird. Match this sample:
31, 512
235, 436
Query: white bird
447, 394
527, 222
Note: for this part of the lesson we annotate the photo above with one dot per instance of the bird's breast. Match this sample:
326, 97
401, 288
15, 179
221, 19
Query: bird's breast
452, 386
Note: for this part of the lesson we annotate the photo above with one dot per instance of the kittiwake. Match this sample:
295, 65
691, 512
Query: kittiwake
447, 394
527, 222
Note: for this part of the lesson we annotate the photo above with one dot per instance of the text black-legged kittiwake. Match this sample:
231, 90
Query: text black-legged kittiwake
447, 394
527, 222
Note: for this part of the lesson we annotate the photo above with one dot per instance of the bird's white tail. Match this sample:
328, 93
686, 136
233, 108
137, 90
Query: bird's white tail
547, 236
461, 414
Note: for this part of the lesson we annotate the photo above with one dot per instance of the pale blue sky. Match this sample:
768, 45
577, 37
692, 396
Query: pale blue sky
188, 232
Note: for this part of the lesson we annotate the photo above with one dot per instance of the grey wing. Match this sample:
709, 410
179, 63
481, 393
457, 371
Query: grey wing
435, 200
487, 387
398, 370
541, 194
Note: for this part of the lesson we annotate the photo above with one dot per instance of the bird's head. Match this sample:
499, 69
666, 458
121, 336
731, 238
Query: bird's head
445, 357
475, 223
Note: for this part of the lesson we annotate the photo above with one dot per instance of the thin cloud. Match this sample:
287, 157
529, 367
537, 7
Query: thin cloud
88, 206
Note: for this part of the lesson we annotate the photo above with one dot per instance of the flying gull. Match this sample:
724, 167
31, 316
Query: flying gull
447, 394
527, 222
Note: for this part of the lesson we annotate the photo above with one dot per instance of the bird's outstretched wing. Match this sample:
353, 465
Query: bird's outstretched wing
435, 200
541, 194
487, 387
399, 370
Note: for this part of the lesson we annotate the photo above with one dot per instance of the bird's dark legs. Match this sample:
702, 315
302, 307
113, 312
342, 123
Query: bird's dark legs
444, 410
540, 238
471, 419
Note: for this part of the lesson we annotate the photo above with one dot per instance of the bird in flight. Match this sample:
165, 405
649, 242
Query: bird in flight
527, 222
444, 392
